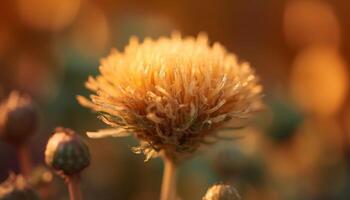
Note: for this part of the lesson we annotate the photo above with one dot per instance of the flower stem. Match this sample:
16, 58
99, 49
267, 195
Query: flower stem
168, 191
73, 182
24, 159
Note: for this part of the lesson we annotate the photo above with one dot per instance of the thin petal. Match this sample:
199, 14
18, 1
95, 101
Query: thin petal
108, 133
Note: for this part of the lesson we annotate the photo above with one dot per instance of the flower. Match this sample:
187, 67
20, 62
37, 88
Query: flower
173, 93
16, 188
67, 153
221, 192
18, 118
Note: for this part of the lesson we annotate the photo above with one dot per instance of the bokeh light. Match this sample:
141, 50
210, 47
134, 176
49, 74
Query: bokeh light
51, 15
308, 22
90, 32
319, 80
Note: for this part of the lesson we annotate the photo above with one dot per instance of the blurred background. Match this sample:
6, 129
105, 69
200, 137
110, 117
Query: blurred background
299, 148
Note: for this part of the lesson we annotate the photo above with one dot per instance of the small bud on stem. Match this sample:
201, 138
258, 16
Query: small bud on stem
18, 122
68, 154
221, 192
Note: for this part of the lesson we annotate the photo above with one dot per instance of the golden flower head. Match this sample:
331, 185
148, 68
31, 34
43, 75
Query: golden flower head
172, 93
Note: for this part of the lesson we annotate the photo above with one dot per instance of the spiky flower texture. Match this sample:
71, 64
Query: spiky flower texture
173, 94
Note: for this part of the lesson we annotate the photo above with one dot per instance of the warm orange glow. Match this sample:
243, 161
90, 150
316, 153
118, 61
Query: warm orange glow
90, 33
7, 39
319, 80
50, 15
310, 22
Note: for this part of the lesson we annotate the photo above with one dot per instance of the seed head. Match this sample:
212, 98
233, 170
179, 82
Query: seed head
16, 188
18, 118
172, 93
221, 192
66, 152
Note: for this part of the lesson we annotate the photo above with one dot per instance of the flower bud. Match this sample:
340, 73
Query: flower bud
16, 188
222, 192
18, 118
66, 152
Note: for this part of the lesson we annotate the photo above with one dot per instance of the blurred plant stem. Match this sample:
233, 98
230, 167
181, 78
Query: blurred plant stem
24, 159
168, 191
73, 183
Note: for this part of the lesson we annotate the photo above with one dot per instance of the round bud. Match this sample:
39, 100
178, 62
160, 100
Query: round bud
16, 188
66, 152
222, 192
18, 118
